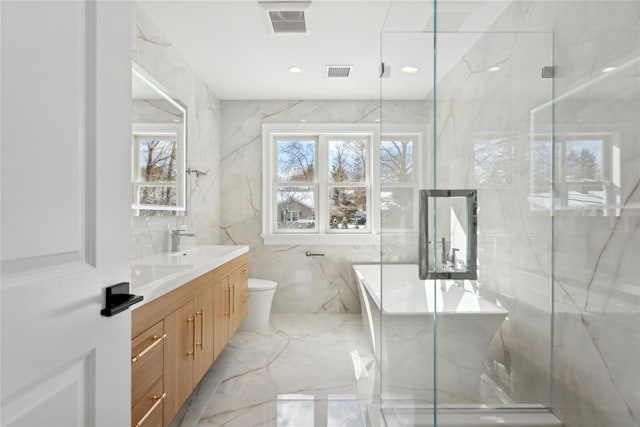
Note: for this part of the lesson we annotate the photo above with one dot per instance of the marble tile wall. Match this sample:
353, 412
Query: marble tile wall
591, 244
152, 51
596, 301
305, 284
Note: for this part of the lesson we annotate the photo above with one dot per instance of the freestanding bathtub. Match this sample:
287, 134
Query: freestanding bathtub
401, 318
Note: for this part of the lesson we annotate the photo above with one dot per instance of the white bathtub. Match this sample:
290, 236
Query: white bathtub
399, 319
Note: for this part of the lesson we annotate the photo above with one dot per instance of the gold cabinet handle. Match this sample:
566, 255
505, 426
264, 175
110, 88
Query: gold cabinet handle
158, 400
227, 308
156, 339
201, 314
232, 299
193, 353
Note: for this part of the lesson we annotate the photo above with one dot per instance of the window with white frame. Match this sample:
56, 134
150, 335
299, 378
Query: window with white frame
158, 172
398, 181
336, 184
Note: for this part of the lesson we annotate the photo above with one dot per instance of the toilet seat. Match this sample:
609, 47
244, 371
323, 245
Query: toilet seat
261, 284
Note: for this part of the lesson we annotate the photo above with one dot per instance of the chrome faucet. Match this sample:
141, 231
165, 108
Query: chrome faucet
450, 260
175, 239
445, 257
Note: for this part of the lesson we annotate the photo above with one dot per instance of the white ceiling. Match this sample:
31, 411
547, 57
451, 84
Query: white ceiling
230, 46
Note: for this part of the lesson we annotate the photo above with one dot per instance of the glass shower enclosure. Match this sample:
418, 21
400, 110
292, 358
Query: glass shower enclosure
466, 319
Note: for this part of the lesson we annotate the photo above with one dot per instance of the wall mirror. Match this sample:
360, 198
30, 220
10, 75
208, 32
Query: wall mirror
158, 147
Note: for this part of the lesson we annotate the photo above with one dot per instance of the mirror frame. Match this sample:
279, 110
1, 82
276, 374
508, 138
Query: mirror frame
178, 129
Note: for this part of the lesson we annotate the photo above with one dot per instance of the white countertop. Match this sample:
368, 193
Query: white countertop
156, 275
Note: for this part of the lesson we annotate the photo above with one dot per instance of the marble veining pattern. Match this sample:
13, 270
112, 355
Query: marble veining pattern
305, 285
301, 373
588, 253
309, 370
152, 51
595, 253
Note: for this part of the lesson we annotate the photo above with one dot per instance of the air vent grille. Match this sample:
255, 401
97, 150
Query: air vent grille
287, 21
339, 70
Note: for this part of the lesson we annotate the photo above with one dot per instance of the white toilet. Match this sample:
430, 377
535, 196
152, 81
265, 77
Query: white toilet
260, 297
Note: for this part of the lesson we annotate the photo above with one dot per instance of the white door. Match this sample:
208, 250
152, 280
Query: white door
65, 87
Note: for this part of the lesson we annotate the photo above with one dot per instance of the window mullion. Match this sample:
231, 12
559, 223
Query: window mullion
374, 185
322, 179
273, 182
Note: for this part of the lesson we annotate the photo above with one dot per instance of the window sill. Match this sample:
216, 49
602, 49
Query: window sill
352, 239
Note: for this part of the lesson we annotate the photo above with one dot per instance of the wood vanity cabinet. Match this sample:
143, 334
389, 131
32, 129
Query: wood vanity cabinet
195, 322
232, 305
239, 284
147, 385
204, 306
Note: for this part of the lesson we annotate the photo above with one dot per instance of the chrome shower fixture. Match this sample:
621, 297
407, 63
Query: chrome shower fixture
196, 171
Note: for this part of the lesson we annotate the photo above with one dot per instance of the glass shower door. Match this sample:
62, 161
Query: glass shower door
459, 341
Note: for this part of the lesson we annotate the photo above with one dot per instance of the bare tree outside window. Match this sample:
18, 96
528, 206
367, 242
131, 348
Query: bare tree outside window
296, 160
296, 166
396, 160
583, 164
156, 180
397, 182
318, 182
581, 182
347, 164
158, 164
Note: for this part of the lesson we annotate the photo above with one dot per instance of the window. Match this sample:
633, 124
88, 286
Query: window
319, 183
587, 174
157, 173
398, 181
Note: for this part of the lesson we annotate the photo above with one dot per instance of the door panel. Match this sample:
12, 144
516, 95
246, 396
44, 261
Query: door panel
63, 390
204, 325
221, 315
180, 345
42, 78
65, 211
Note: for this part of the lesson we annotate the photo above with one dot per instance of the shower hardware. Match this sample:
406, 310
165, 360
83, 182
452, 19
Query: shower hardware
196, 171
309, 253
450, 261
548, 72
456, 212
385, 71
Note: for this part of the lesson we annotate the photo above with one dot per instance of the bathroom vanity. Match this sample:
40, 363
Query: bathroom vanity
193, 303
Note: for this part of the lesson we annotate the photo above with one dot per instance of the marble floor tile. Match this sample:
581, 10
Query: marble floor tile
308, 371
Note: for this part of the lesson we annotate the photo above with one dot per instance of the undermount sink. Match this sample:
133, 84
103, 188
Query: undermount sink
155, 275
142, 274
212, 251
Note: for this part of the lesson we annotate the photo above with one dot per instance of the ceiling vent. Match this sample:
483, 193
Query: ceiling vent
339, 70
287, 17
287, 22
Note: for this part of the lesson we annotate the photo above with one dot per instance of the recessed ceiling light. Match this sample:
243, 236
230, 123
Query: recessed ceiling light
409, 69
295, 70
609, 69
376, 120
492, 69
